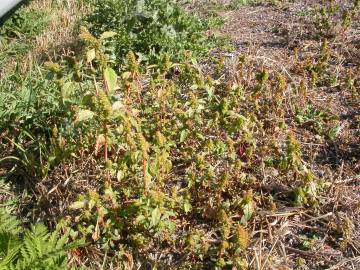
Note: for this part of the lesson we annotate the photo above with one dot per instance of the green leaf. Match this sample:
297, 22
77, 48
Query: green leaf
84, 115
67, 90
187, 206
183, 135
155, 217
110, 78
333, 132
77, 205
140, 6
248, 212
108, 34
126, 75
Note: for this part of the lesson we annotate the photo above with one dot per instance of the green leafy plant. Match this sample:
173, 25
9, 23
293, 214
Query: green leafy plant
318, 121
30, 122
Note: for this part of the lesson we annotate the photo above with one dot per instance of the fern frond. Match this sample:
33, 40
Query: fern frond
37, 249
8, 223
9, 248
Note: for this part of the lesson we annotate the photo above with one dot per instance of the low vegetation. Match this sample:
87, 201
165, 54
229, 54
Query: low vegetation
150, 145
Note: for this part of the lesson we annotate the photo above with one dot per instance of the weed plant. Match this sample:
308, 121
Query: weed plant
180, 152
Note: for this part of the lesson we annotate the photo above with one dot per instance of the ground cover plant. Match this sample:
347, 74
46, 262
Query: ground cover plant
146, 156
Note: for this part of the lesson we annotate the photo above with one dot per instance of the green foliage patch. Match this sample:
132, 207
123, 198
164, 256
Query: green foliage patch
150, 28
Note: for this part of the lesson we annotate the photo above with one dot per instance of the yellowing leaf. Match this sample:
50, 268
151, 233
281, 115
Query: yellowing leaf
90, 55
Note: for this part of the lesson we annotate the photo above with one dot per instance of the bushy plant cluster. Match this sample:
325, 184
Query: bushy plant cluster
150, 28
181, 152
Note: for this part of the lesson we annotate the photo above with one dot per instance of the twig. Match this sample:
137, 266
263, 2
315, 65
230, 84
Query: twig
320, 217
343, 262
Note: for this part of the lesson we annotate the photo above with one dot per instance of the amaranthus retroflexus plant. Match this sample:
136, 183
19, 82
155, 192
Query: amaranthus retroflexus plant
105, 83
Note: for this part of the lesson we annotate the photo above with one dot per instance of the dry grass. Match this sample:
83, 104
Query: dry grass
59, 36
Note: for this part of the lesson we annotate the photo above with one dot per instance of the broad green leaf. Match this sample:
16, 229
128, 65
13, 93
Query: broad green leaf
187, 206
333, 132
155, 217
109, 34
183, 135
110, 79
77, 205
67, 90
248, 212
84, 115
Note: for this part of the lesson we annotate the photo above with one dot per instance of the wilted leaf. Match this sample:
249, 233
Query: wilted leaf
100, 142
